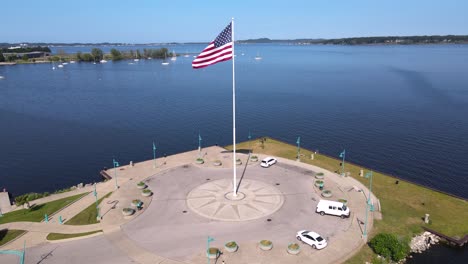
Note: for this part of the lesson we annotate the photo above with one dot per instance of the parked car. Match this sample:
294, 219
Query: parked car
332, 208
267, 162
311, 238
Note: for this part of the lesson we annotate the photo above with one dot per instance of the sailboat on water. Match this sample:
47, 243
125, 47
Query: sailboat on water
258, 57
174, 56
164, 61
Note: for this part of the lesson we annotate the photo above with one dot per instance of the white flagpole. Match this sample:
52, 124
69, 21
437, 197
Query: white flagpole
233, 112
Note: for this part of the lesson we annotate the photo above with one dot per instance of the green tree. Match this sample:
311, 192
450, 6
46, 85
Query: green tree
11, 58
388, 246
2, 58
97, 54
88, 57
138, 55
116, 55
25, 57
78, 56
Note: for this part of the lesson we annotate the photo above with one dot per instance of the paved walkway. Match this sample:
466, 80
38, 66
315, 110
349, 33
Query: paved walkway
348, 238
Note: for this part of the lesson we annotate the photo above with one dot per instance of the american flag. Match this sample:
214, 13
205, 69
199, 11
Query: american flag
218, 50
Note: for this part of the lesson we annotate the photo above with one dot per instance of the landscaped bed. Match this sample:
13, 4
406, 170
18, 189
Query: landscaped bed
56, 236
88, 216
36, 213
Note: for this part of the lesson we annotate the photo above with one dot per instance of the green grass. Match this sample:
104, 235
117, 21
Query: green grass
6, 235
403, 205
36, 213
56, 236
88, 216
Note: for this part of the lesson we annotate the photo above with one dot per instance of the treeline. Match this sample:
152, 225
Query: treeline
368, 40
25, 49
396, 40
97, 55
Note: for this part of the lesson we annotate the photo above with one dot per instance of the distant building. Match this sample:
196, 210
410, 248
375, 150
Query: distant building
31, 55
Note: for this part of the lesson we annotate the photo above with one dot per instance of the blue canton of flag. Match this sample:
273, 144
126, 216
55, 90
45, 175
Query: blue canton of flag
224, 37
220, 49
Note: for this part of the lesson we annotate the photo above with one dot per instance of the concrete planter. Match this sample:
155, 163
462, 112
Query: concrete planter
146, 192
199, 161
128, 211
212, 253
327, 194
231, 246
265, 245
254, 158
217, 163
293, 249
135, 202
318, 183
141, 185
319, 176
238, 162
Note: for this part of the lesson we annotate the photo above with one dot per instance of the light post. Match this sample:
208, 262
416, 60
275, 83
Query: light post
368, 175
97, 206
116, 164
250, 143
154, 155
210, 239
342, 155
199, 144
298, 142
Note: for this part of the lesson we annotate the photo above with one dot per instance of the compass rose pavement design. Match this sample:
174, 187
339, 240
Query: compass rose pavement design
215, 200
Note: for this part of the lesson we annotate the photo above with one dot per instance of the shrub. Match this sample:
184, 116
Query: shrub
146, 191
293, 246
231, 244
141, 184
213, 251
320, 174
388, 246
254, 157
265, 243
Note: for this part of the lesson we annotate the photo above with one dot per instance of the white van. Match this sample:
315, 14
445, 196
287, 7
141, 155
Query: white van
332, 208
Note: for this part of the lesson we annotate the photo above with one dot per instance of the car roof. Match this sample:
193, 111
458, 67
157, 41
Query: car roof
311, 233
268, 158
331, 202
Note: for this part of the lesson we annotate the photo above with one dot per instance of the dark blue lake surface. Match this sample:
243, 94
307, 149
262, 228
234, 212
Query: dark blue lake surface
398, 109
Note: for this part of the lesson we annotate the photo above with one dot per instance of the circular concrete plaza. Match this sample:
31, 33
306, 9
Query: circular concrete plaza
191, 202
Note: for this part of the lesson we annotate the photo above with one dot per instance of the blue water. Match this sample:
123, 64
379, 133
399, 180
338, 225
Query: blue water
398, 109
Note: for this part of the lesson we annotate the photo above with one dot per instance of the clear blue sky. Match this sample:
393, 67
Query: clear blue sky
143, 21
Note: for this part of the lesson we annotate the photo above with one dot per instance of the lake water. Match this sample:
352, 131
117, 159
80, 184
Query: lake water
397, 109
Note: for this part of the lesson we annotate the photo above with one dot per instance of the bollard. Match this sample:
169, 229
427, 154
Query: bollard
312, 156
361, 173
426, 219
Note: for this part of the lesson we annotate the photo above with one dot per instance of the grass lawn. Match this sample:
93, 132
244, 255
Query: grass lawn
7, 235
36, 213
403, 205
88, 216
56, 236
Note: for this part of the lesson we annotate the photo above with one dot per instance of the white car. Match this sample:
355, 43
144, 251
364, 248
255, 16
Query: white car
311, 238
267, 162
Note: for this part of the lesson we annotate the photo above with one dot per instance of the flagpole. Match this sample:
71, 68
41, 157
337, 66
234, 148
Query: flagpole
233, 113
